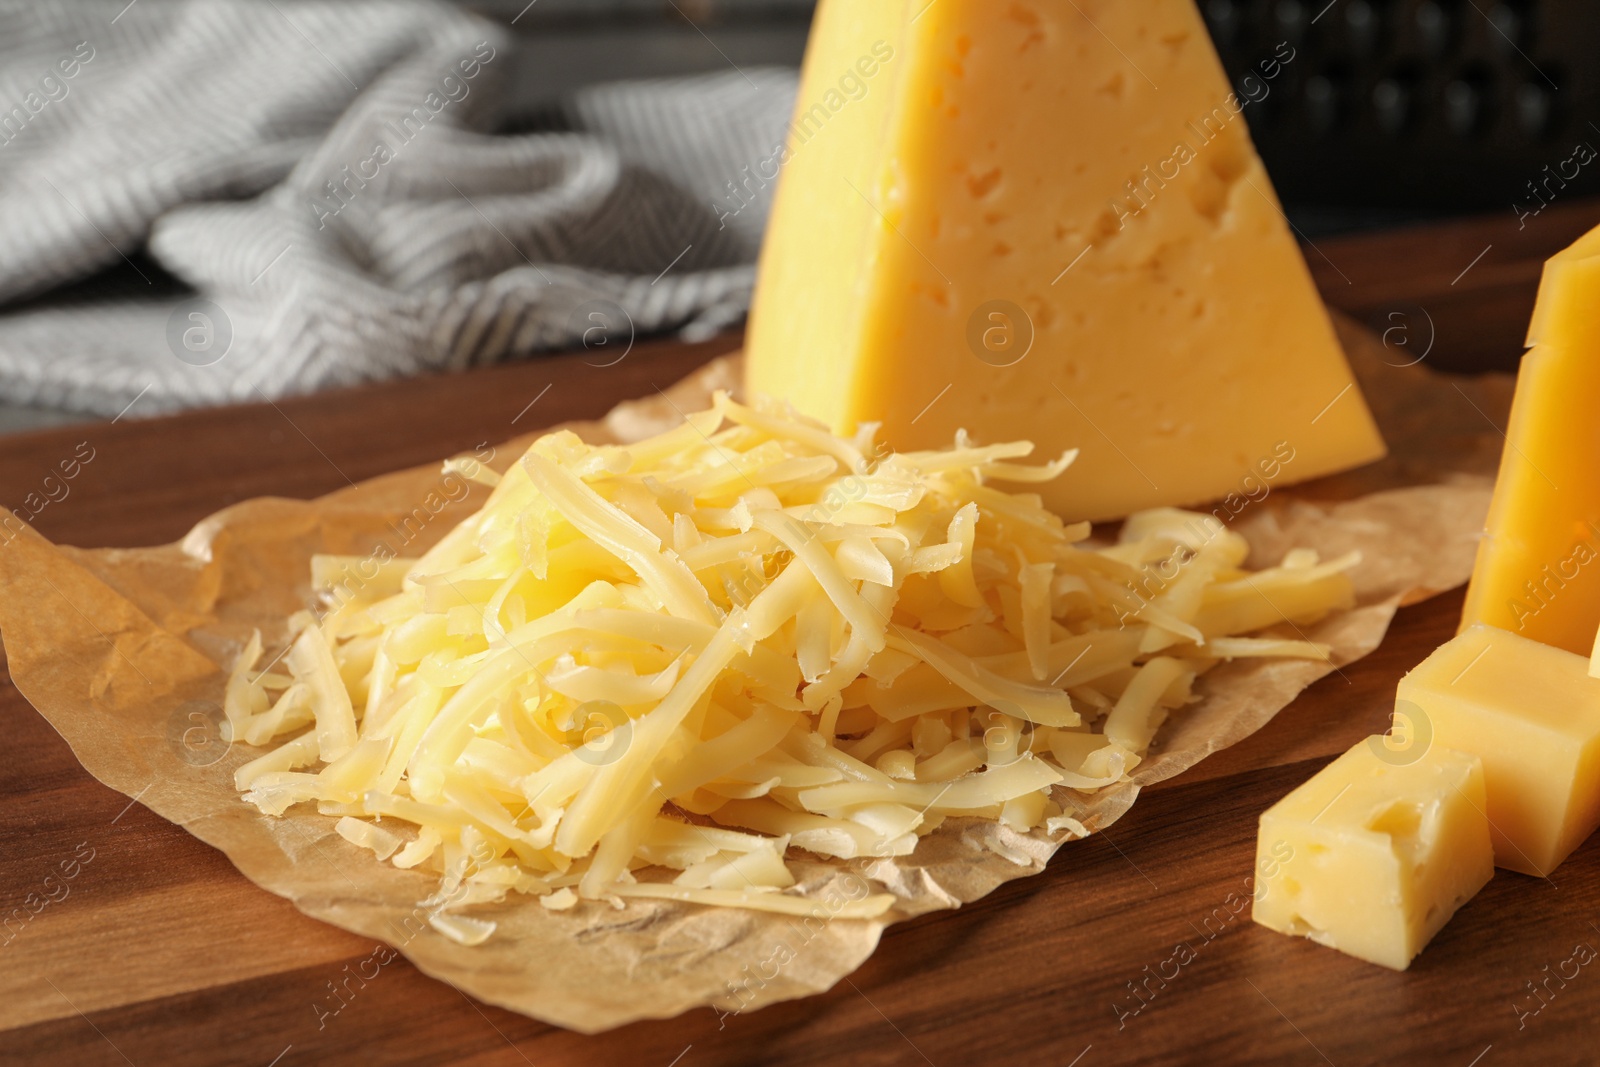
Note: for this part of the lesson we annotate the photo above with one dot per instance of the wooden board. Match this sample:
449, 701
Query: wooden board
156, 952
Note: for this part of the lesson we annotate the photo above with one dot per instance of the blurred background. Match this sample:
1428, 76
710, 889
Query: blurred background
205, 185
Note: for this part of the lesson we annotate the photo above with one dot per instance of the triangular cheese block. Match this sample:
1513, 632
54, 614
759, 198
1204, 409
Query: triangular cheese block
1044, 219
1538, 569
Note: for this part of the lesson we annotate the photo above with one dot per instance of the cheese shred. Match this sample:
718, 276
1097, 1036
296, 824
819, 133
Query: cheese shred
658, 671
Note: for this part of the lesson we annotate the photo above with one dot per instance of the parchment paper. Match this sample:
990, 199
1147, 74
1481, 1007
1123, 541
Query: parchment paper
124, 652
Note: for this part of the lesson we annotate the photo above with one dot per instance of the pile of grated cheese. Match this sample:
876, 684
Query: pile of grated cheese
653, 670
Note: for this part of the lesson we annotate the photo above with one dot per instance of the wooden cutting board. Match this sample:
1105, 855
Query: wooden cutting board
124, 940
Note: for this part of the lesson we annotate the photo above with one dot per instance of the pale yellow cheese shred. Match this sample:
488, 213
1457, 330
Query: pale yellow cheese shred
658, 671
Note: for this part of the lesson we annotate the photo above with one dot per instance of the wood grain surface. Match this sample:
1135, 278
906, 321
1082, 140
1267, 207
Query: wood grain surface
125, 941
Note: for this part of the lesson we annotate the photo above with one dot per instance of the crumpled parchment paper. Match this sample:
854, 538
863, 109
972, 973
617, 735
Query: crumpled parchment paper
125, 653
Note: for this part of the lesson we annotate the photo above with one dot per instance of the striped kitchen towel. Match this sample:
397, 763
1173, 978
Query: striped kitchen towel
321, 174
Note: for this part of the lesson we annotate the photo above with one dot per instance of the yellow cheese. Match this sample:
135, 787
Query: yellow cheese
699, 624
1532, 714
1047, 219
1537, 573
1375, 854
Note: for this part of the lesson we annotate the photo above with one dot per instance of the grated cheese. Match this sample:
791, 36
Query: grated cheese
657, 671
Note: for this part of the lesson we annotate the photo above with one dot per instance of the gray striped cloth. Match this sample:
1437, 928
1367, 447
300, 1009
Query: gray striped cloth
321, 174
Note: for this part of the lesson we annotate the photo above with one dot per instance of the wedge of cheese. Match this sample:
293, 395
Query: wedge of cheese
1047, 219
1538, 569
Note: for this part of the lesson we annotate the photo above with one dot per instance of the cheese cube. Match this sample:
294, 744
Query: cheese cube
1375, 854
1043, 220
1538, 568
1531, 712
